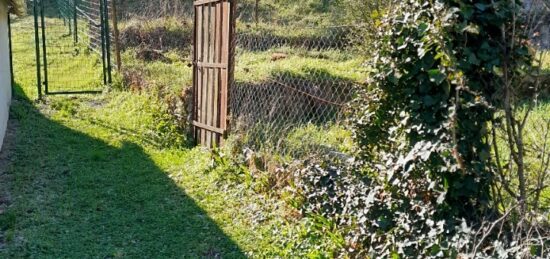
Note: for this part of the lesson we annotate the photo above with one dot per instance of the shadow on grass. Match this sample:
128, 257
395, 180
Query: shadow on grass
262, 39
287, 98
76, 196
271, 110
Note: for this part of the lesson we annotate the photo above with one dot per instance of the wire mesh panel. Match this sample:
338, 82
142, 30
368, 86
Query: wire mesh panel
212, 69
23, 48
292, 87
74, 45
293, 76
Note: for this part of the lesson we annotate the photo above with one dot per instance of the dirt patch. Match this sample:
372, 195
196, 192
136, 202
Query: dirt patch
6, 158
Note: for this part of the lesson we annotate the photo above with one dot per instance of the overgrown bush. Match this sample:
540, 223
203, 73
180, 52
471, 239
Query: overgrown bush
422, 184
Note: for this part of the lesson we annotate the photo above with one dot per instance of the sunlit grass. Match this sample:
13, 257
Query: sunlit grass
71, 66
536, 139
91, 181
170, 76
259, 66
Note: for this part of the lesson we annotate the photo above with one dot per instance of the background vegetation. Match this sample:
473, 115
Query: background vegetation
389, 182
320, 184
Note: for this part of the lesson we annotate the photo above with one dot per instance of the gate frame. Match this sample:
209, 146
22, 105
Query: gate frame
40, 28
203, 133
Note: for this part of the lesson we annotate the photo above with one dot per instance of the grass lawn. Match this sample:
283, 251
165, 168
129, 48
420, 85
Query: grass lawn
88, 180
65, 58
97, 176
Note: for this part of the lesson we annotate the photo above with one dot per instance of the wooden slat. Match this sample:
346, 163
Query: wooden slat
204, 86
205, 2
203, 126
217, 78
211, 72
212, 65
225, 59
198, 73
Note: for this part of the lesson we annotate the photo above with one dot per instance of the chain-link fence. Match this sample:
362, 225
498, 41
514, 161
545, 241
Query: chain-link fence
292, 83
292, 86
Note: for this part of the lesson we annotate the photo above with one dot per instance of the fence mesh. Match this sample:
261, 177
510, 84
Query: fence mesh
62, 40
293, 79
296, 67
538, 19
74, 55
292, 86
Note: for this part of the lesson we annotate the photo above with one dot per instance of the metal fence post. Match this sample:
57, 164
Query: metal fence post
107, 41
102, 28
44, 50
37, 50
75, 17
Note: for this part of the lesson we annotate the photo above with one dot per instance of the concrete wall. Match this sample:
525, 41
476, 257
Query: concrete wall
5, 75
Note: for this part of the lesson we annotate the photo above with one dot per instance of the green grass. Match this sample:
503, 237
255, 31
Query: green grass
537, 133
91, 181
171, 77
535, 138
65, 59
258, 66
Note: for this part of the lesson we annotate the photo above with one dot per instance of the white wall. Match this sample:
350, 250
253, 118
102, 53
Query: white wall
5, 76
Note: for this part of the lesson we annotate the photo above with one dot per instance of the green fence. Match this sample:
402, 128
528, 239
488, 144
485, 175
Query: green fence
72, 40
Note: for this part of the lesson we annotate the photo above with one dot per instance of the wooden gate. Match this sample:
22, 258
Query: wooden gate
212, 69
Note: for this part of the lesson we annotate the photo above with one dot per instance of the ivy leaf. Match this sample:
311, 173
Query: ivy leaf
471, 28
498, 71
436, 76
441, 198
429, 101
472, 59
481, 7
423, 27
450, 14
467, 11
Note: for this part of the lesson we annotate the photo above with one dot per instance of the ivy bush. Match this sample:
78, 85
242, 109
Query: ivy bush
433, 78
424, 171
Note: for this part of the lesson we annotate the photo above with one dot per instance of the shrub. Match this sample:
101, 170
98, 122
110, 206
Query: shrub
422, 184
422, 123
